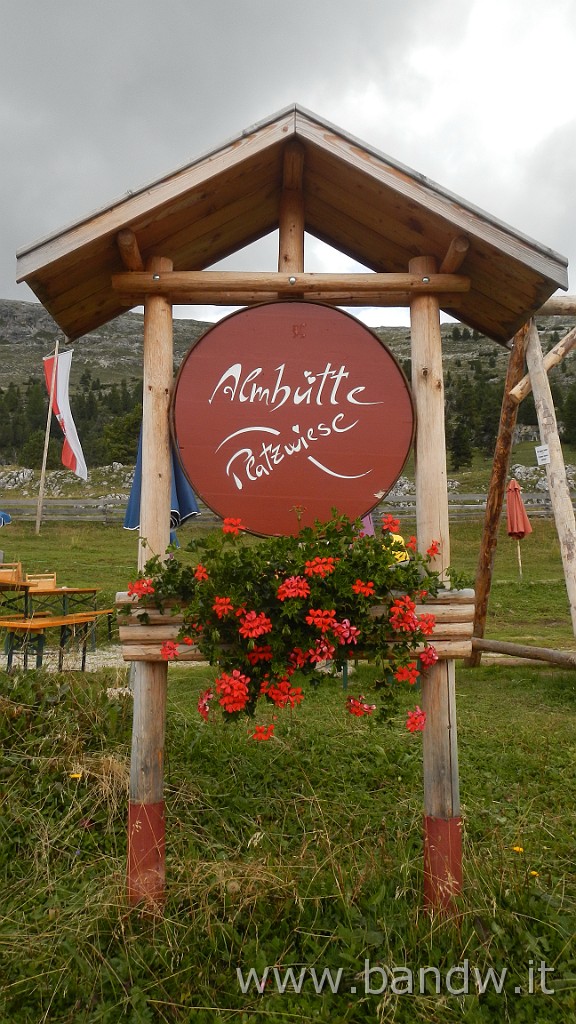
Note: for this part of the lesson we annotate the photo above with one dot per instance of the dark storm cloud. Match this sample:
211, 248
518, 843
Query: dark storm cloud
100, 98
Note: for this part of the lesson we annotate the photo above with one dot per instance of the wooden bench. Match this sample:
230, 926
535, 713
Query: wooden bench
28, 635
11, 571
41, 580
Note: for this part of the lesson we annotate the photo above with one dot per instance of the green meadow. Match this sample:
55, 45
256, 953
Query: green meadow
294, 888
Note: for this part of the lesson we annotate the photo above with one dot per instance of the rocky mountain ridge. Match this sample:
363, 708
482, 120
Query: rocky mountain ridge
114, 351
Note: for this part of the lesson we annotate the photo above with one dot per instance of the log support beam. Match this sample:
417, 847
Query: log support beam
291, 217
442, 822
229, 288
555, 470
455, 255
552, 358
567, 659
129, 250
496, 490
146, 834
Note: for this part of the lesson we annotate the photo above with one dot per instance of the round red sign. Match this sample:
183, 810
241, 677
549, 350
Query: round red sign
288, 410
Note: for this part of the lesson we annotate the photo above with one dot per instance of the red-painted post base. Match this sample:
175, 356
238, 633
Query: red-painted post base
146, 853
442, 862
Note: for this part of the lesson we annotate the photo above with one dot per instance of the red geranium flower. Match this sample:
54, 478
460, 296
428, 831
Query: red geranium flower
428, 656
263, 732
323, 651
426, 623
412, 543
255, 624
403, 616
140, 588
320, 566
169, 650
293, 586
222, 606
231, 525
390, 523
367, 589
263, 653
322, 619
298, 657
407, 673
346, 633
434, 549
200, 573
204, 703
416, 720
282, 693
358, 706
233, 690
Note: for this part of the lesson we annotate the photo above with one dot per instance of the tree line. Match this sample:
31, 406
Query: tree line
108, 417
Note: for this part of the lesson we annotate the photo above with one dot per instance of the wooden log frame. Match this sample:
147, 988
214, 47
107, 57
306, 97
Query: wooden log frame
442, 821
143, 629
422, 289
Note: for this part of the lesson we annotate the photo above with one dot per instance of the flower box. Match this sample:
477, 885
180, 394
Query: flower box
143, 630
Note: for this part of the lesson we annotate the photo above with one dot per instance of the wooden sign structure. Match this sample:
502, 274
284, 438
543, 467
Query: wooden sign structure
442, 820
300, 174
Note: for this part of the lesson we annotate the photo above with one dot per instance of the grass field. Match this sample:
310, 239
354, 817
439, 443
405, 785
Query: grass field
304, 852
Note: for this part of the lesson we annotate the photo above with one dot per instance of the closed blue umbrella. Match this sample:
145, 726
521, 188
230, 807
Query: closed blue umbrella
183, 503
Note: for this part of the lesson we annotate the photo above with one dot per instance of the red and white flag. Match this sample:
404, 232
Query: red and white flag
72, 455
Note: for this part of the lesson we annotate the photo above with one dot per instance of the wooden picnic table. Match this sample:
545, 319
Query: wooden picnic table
27, 635
64, 599
15, 595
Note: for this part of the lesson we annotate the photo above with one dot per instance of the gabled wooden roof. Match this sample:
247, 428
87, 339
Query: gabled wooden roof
356, 199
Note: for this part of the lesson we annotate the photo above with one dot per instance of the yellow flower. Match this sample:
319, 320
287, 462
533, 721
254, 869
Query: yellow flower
75, 775
518, 849
535, 874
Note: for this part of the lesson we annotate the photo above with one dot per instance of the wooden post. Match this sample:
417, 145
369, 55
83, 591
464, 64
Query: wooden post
442, 821
291, 218
40, 505
555, 470
496, 489
146, 833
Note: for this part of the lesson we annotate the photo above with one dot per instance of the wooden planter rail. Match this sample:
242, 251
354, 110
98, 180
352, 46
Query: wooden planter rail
454, 614
142, 641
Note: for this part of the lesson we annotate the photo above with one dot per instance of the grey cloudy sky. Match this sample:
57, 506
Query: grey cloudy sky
100, 97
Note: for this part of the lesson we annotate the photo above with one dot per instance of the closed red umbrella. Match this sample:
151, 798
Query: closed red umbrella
517, 520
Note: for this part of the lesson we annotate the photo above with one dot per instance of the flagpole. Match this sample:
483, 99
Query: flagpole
47, 439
